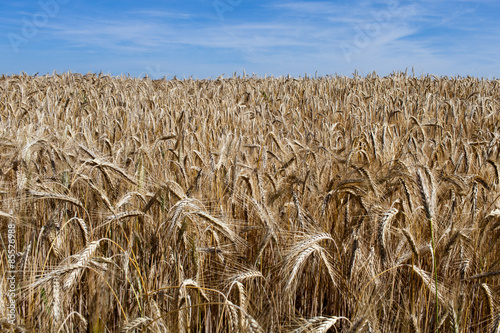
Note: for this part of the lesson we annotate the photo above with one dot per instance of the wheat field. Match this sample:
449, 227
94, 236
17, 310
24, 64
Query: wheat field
248, 204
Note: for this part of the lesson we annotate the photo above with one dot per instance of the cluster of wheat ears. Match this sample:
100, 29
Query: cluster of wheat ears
361, 204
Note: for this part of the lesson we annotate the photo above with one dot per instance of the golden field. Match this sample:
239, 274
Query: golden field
247, 204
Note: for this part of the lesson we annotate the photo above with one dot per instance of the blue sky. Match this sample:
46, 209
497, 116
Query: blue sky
207, 38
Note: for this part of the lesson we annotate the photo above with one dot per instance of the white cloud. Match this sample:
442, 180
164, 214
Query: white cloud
163, 14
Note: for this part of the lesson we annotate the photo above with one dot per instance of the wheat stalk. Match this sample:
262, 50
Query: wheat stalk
76, 269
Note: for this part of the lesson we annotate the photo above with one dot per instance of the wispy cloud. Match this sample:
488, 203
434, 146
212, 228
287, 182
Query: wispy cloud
163, 14
146, 35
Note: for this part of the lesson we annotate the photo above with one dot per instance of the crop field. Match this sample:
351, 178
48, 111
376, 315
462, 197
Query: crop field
248, 204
